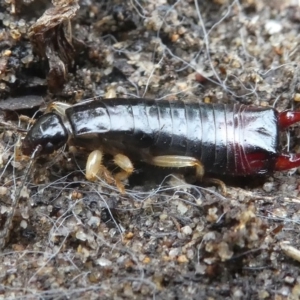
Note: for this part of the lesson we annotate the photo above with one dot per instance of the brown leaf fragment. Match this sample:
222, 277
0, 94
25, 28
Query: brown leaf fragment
51, 37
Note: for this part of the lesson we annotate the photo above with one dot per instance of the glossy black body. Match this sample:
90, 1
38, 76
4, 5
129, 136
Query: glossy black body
49, 132
227, 139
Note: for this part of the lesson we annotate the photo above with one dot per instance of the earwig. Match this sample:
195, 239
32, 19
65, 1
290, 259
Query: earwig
236, 139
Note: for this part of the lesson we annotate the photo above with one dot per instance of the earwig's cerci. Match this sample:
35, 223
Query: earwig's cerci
237, 140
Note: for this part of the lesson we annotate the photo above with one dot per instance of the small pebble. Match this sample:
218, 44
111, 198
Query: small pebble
289, 279
187, 230
23, 224
103, 262
224, 252
200, 269
237, 294
268, 186
80, 235
129, 235
182, 208
146, 260
173, 252
280, 212
297, 97
3, 190
182, 259
273, 27
94, 221
263, 294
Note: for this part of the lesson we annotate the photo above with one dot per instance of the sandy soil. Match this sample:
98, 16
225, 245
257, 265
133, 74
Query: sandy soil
64, 237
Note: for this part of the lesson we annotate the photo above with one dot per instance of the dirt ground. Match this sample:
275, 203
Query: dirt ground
66, 238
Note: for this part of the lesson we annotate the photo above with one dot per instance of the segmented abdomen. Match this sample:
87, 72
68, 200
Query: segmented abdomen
225, 138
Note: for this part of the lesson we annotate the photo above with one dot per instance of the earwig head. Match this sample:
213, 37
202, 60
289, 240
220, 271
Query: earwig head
48, 132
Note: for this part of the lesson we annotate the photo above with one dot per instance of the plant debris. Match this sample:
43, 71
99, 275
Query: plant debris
52, 38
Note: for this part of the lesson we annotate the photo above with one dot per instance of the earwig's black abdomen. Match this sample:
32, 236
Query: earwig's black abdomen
227, 139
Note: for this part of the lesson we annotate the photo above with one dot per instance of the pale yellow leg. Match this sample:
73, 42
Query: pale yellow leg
95, 168
177, 161
124, 163
219, 183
